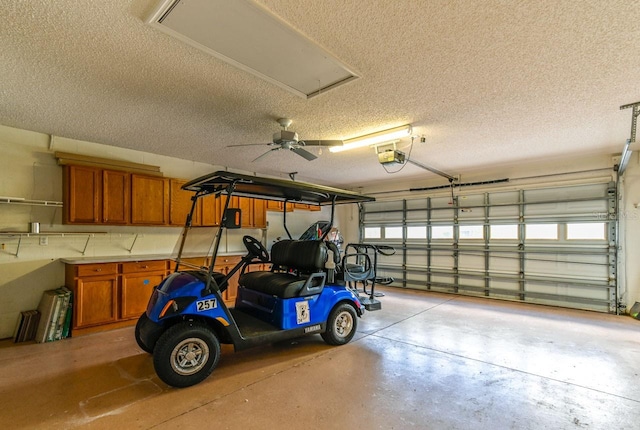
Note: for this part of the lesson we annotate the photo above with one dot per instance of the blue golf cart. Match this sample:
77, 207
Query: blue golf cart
304, 287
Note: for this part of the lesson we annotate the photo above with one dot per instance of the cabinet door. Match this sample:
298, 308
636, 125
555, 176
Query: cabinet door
180, 204
82, 195
224, 265
231, 292
235, 203
246, 207
116, 197
136, 291
95, 300
259, 213
149, 200
276, 206
210, 210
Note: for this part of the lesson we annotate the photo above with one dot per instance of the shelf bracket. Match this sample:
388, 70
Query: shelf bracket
134, 242
86, 243
18, 249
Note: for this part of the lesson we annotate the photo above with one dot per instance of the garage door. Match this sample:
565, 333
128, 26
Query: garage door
552, 246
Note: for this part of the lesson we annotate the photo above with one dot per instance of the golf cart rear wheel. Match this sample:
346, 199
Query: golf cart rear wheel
186, 354
341, 325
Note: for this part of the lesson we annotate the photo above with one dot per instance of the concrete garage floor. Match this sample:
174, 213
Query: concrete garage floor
427, 361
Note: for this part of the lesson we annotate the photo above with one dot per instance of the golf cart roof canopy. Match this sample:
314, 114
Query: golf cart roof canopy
272, 189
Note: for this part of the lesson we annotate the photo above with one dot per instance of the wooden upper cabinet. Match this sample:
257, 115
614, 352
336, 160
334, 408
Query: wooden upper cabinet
149, 200
246, 207
276, 206
306, 207
259, 213
254, 211
210, 210
82, 195
180, 204
96, 196
116, 197
93, 195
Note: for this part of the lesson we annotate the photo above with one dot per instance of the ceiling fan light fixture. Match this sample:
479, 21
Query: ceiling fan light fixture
374, 138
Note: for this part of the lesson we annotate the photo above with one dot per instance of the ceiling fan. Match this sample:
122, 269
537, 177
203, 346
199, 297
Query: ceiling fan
285, 139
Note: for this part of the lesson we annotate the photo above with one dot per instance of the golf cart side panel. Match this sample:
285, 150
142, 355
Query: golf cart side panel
180, 294
287, 314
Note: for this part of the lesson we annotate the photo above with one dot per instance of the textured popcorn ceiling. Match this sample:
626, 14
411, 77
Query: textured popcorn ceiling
485, 82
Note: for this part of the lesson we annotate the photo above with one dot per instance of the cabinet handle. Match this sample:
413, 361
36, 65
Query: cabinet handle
98, 270
145, 267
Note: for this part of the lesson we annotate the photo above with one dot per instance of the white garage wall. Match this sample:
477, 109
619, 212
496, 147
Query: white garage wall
629, 269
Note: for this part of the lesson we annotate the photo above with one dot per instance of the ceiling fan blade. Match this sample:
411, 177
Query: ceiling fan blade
249, 144
304, 153
268, 152
322, 142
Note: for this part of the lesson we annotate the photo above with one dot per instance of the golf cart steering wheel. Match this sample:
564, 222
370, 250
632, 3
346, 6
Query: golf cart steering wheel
256, 248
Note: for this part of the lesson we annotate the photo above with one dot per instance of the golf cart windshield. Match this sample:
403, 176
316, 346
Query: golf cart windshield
198, 246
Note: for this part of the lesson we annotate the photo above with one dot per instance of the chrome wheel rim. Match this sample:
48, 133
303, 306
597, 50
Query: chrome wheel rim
189, 356
344, 324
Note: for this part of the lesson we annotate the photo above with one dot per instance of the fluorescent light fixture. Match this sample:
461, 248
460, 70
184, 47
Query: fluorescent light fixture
374, 138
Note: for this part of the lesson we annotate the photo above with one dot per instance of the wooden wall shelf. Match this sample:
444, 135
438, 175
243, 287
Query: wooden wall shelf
29, 202
20, 235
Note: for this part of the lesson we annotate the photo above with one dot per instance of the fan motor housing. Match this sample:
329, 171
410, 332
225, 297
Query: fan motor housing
285, 136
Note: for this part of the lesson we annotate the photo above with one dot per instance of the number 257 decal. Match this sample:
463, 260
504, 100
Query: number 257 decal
205, 305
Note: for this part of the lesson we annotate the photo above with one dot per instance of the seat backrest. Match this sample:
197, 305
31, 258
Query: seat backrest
302, 255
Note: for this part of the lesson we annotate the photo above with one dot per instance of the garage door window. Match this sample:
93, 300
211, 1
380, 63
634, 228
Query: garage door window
372, 233
509, 231
442, 232
586, 231
542, 231
471, 232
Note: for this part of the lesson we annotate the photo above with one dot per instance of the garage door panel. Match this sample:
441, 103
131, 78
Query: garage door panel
518, 261
474, 262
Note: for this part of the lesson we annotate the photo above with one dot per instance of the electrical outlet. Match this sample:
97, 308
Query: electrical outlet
44, 240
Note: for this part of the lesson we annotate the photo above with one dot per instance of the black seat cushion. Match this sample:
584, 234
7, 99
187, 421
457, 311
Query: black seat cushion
283, 285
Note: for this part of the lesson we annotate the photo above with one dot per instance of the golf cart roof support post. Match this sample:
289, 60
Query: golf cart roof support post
284, 218
333, 208
187, 226
216, 243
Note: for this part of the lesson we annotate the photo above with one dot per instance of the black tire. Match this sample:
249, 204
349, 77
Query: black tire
341, 325
186, 354
142, 320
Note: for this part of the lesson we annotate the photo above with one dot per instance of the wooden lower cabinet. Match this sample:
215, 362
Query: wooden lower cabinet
136, 285
96, 300
224, 265
110, 295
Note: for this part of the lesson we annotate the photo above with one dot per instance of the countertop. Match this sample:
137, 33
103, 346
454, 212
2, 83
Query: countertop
129, 258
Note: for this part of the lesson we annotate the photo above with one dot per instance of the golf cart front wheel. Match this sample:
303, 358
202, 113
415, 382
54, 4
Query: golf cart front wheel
186, 354
341, 325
